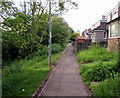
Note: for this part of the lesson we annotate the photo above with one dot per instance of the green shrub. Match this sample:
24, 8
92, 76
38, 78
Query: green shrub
99, 71
42, 52
56, 48
12, 69
109, 87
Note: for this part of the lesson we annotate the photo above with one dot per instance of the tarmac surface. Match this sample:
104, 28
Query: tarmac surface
65, 79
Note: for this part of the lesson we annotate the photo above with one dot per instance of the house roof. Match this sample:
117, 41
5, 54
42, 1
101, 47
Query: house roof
89, 33
114, 20
81, 37
101, 27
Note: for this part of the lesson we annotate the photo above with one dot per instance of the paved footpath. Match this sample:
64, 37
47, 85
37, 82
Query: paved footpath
65, 79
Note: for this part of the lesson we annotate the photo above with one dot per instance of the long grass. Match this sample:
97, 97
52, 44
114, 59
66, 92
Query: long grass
95, 53
23, 77
110, 87
99, 69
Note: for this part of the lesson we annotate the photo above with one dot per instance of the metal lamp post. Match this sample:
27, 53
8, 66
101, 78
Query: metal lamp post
50, 35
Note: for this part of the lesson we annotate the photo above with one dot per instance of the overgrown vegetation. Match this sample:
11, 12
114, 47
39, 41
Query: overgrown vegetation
109, 87
23, 77
73, 36
100, 70
25, 30
25, 34
95, 53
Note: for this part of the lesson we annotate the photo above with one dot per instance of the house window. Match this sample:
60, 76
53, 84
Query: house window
114, 14
105, 35
92, 35
113, 29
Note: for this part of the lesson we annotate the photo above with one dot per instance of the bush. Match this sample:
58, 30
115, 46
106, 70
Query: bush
12, 69
100, 67
18, 45
56, 48
42, 52
99, 71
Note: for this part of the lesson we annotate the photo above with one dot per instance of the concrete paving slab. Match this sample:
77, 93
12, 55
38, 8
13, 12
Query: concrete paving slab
65, 79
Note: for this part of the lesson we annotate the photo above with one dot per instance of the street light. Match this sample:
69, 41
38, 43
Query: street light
50, 36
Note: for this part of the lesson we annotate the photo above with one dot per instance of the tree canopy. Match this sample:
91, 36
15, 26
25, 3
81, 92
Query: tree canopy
26, 29
73, 36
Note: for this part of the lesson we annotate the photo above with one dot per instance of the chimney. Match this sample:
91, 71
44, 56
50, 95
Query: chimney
103, 17
83, 33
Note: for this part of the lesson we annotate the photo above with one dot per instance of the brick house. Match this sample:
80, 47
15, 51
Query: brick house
113, 23
99, 33
88, 33
82, 43
81, 39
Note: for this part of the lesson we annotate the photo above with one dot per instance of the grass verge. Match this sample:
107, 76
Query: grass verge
100, 70
25, 76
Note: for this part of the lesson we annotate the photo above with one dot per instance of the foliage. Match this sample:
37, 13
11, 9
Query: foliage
42, 52
109, 87
23, 72
63, 6
60, 30
25, 31
95, 53
99, 70
56, 48
73, 36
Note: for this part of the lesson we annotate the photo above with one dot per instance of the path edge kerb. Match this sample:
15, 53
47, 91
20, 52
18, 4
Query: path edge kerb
40, 89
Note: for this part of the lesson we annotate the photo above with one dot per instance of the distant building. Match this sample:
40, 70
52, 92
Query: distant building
81, 39
83, 33
113, 23
88, 33
105, 30
99, 33
82, 43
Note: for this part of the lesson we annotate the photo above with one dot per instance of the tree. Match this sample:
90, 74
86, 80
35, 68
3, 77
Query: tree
73, 36
25, 30
61, 30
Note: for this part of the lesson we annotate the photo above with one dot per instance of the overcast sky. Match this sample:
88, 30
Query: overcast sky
88, 13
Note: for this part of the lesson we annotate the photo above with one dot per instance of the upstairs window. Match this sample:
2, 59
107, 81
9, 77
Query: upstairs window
113, 29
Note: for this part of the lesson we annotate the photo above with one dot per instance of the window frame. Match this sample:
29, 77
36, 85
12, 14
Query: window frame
110, 27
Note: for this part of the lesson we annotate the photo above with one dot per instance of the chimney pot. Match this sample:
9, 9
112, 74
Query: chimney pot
103, 17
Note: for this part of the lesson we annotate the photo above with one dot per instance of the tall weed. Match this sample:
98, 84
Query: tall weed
110, 87
95, 53
99, 71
